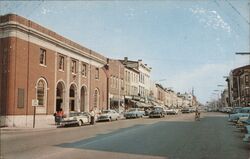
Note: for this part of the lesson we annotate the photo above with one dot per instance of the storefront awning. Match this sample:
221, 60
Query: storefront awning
143, 105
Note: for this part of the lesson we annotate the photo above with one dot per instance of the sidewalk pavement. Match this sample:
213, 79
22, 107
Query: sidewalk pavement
5, 130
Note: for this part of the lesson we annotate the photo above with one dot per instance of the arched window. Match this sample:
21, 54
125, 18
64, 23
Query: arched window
96, 98
41, 89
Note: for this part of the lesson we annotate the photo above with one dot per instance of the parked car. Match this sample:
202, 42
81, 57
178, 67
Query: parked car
134, 113
147, 111
235, 110
227, 109
243, 112
76, 118
247, 135
185, 110
108, 115
172, 111
240, 124
157, 112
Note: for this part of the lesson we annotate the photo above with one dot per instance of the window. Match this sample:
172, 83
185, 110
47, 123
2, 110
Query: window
61, 62
96, 98
20, 98
247, 92
128, 76
41, 92
84, 69
96, 73
246, 78
42, 57
112, 82
73, 66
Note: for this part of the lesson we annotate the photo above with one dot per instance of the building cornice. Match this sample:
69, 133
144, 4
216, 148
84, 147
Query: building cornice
15, 26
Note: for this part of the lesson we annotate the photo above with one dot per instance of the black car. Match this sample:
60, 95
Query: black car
157, 112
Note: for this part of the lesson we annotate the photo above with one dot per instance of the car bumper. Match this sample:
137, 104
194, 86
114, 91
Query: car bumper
103, 119
155, 115
130, 116
246, 138
68, 122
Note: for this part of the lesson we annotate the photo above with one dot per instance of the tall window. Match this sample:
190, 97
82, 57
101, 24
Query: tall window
20, 98
41, 88
42, 57
61, 62
112, 81
73, 66
96, 98
96, 73
84, 69
247, 91
246, 78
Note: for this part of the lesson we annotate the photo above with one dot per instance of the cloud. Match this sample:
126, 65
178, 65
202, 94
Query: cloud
210, 18
45, 11
204, 79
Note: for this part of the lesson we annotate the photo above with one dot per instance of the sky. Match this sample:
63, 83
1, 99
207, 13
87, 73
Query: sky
188, 43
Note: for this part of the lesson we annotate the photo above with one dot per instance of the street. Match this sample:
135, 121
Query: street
172, 137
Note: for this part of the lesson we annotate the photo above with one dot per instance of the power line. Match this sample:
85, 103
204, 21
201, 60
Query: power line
238, 12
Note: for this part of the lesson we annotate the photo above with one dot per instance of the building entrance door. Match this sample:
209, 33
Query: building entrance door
72, 98
59, 96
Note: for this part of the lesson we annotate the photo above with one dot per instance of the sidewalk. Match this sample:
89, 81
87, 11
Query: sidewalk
38, 127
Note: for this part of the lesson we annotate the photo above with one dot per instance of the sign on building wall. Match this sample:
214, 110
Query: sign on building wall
34, 102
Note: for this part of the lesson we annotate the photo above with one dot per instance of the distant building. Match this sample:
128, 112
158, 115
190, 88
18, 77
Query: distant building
137, 77
160, 94
224, 98
239, 86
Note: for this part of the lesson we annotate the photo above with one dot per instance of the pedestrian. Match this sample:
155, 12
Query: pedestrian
59, 116
92, 118
197, 114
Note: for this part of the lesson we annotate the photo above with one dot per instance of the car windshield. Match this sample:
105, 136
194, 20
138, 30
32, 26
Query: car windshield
73, 114
132, 110
106, 111
237, 110
84, 113
244, 110
157, 108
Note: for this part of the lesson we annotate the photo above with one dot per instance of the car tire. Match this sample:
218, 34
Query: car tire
80, 123
110, 119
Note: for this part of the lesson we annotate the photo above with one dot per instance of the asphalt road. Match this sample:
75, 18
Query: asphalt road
173, 137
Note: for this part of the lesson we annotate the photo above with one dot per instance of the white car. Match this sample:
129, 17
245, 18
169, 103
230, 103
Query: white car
76, 118
247, 135
172, 111
134, 113
244, 112
108, 115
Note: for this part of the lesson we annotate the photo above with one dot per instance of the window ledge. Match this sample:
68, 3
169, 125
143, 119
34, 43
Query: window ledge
43, 65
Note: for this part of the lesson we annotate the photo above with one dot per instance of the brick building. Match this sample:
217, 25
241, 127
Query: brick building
239, 87
37, 63
116, 84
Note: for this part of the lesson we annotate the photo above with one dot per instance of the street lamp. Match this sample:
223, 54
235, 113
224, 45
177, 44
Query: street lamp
243, 53
220, 85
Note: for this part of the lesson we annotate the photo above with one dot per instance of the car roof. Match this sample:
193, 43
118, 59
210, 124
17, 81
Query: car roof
246, 108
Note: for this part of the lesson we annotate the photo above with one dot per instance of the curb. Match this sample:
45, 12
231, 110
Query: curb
24, 130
